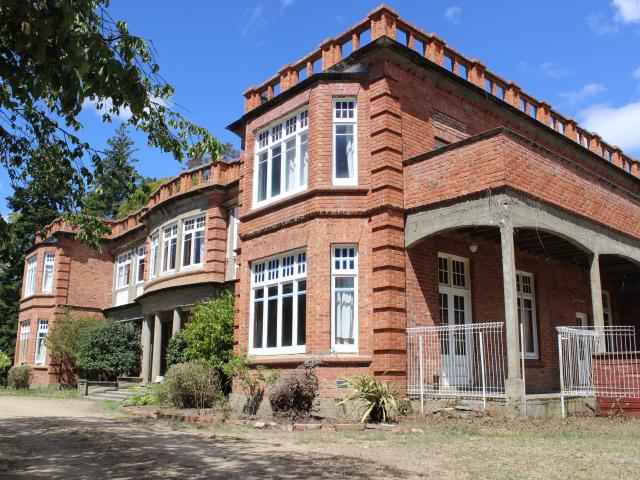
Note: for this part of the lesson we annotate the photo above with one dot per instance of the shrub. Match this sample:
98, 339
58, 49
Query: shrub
253, 384
63, 343
159, 393
142, 400
209, 333
176, 348
19, 377
5, 364
193, 385
294, 392
108, 350
380, 400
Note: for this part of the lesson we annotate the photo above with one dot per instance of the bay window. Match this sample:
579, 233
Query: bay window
344, 298
279, 304
30, 281
47, 274
527, 313
169, 248
193, 241
345, 158
282, 158
41, 346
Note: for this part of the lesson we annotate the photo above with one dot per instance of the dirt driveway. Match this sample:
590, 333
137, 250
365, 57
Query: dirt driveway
69, 439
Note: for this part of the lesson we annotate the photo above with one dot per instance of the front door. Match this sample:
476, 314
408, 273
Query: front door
456, 343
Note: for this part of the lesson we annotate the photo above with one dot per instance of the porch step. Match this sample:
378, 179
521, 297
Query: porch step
114, 394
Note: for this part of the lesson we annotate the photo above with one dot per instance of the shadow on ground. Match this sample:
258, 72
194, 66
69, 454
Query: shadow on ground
92, 448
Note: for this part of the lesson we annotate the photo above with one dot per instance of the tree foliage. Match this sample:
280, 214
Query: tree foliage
209, 333
55, 57
139, 197
176, 349
108, 350
118, 178
5, 364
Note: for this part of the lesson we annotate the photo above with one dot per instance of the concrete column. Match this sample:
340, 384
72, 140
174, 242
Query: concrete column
596, 297
145, 370
514, 385
157, 348
177, 321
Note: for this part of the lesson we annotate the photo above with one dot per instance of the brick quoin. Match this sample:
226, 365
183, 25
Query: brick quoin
408, 104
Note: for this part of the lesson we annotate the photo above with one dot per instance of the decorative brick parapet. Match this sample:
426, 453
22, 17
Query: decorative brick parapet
384, 21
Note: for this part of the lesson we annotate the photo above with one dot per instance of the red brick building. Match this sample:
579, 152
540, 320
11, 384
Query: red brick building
386, 182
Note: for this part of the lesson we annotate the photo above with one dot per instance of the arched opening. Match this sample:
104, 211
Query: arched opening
620, 290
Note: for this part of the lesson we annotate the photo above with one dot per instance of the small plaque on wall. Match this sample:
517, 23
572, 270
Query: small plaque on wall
341, 383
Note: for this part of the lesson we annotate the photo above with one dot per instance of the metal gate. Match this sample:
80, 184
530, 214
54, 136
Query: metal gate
598, 362
456, 361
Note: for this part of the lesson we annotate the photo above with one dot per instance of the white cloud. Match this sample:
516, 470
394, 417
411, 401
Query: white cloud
254, 19
627, 11
453, 13
588, 90
617, 125
287, 3
601, 25
636, 73
92, 104
551, 70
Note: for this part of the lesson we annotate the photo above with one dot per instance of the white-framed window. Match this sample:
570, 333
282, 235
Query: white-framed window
30, 281
141, 254
454, 295
193, 241
155, 252
232, 240
169, 248
279, 304
47, 274
282, 158
525, 289
345, 141
123, 270
25, 329
41, 346
344, 298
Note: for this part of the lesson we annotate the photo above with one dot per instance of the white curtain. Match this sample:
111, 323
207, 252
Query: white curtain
344, 316
351, 155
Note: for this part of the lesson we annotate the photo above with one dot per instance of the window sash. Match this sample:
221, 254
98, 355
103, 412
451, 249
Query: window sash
123, 271
278, 305
41, 347
25, 330
525, 294
281, 159
193, 242
344, 298
30, 283
345, 141
169, 248
47, 274
155, 250
453, 272
140, 263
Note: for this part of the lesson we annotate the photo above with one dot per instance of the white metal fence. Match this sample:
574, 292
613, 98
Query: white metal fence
598, 362
456, 361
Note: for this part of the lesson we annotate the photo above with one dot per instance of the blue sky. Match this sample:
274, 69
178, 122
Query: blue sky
581, 57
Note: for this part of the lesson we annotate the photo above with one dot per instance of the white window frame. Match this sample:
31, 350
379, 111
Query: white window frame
155, 255
232, 237
30, 281
278, 134
47, 272
344, 121
41, 346
344, 272
166, 239
25, 330
199, 224
123, 260
141, 257
521, 296
274, 272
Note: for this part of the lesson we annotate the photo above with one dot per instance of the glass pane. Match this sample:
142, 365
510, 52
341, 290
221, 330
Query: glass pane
287, 314
276, 168
444, 320
304, 160
172, 256
198, 248
272, 317
186, 251
459, 319
443, 271
262, 177
345, 151
302, 312
258, 312
344, 302
290, 172
529, 332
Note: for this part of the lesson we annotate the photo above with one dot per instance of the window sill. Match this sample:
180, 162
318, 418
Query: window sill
296, 359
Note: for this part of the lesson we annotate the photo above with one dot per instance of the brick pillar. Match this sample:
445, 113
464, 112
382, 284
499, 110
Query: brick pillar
387, 230
594, 144
145, 368
512, 95
216, 237
434, 49
571, 129
543, 113
616, 157
514, 384
476, 73
251, 99
328, 52
383, 22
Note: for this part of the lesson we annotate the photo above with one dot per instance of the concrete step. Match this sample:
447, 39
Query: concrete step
115, 394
